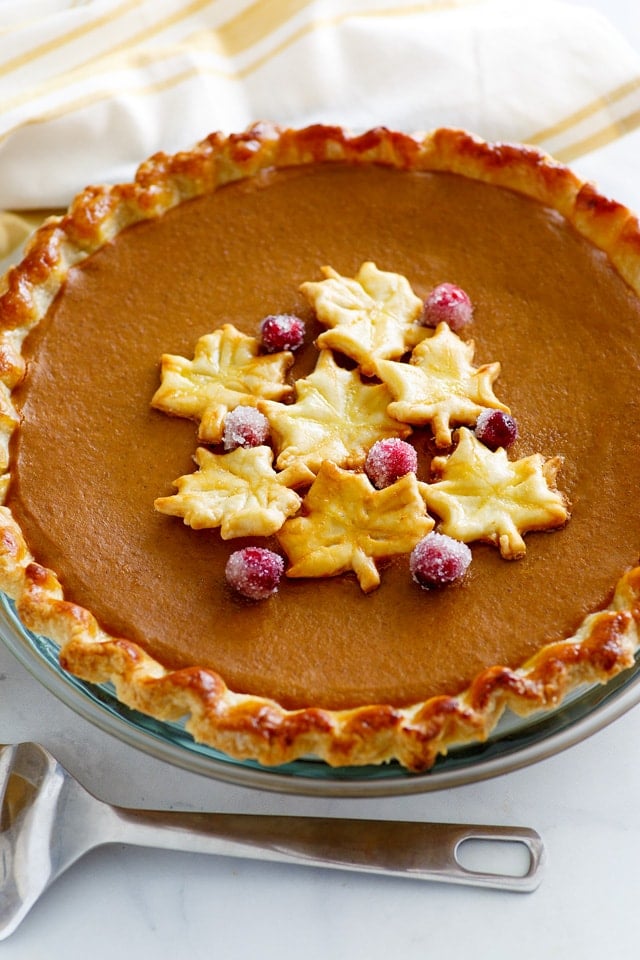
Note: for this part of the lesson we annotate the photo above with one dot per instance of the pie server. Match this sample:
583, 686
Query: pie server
48, 820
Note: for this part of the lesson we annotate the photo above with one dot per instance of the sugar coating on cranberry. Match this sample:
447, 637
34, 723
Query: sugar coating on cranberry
450, 304
282, 331
245, 427
388, 460
437, 560
495, 428
254, 572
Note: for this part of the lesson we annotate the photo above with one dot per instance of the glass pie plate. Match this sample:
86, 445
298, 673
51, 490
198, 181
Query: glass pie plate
515, 742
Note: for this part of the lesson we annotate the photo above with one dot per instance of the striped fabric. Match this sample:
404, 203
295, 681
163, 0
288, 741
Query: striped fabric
90, 87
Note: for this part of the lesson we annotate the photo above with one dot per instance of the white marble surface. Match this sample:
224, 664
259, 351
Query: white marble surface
126, 902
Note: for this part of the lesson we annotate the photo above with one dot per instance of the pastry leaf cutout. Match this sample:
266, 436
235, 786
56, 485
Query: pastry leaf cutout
440, 386
226, 371
481, 495
335, 417
238, 492
372, 315
347, 524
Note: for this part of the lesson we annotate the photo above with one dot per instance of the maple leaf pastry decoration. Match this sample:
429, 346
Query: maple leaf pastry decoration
346, 524
226, 371
482, 495
440, 386
371, 316
335, 417
238, 492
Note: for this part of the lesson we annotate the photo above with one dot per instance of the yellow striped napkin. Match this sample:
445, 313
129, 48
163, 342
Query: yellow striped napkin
88, 88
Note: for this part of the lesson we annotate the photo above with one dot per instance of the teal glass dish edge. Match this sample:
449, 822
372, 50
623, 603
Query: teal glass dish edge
515, 742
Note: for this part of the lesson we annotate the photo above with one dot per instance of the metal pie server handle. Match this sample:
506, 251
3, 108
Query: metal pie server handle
416, 851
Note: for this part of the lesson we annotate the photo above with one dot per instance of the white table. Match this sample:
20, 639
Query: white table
126, 902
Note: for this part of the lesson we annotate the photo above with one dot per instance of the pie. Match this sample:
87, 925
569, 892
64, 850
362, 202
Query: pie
105, 328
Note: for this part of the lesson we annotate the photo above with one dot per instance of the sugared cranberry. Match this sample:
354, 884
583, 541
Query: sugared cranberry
495, 428
438, 559
282, 331
450, 304
388, 460
245, 427
254, 572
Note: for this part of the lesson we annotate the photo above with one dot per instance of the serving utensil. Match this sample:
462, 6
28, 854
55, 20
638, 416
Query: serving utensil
48, 821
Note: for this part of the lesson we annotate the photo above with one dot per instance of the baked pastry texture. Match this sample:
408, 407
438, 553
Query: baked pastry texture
246, 724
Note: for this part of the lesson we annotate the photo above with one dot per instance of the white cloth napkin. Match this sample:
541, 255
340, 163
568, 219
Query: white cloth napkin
88, 88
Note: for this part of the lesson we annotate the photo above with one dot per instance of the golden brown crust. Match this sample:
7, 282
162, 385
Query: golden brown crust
242, 725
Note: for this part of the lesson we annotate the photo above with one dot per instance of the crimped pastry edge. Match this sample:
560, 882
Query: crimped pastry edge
241, 725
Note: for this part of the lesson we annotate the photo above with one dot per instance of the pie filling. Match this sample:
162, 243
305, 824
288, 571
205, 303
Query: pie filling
91, 455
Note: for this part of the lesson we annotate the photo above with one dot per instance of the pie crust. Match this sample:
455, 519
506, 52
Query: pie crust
239, 724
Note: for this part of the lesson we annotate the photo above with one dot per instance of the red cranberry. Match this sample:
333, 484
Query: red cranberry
282, 331
245, 427
495, 428
388, 460
450, 304
438, 559
254, 572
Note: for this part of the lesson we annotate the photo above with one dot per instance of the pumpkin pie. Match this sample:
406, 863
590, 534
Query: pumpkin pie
131, 331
